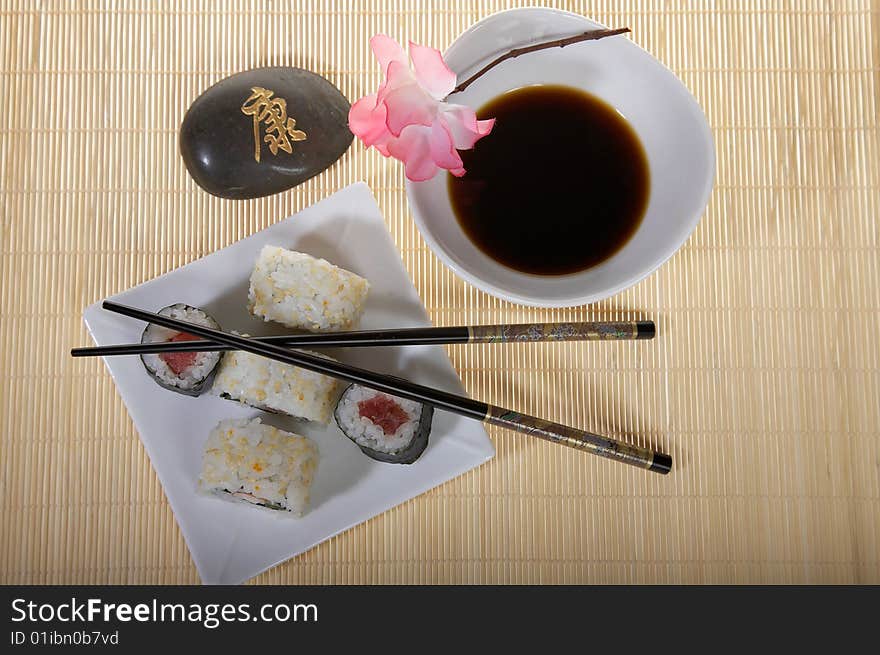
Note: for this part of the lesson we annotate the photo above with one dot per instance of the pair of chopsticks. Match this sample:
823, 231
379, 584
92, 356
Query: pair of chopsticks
527, 332
277, 348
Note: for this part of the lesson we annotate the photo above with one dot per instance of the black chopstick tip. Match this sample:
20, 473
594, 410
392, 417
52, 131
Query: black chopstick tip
114, 306
645, 330
661, 463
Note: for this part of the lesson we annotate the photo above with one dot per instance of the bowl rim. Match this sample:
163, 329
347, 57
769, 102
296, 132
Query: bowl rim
654, 263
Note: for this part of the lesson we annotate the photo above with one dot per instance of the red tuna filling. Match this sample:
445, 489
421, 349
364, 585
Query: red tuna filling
384, 412
180, 361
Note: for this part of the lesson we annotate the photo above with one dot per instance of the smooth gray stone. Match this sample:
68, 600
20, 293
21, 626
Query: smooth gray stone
217, 138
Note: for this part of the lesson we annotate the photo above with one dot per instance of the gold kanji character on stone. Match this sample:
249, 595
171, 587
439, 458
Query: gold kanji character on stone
272, 112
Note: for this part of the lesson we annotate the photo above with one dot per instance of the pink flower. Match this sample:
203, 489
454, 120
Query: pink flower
407, 118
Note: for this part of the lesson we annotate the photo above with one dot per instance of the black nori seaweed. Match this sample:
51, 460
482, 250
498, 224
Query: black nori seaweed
263, 408
406, 455
202, 386
268, 505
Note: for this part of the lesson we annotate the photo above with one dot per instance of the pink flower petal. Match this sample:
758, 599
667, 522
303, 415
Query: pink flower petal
484, 127
382, 146
414, 150
366, 119
387, 50
431, 71
397, 76
443, 151
408, 105
466, 130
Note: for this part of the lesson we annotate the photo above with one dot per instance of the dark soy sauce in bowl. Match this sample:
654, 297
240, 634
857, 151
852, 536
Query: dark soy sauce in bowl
559, 186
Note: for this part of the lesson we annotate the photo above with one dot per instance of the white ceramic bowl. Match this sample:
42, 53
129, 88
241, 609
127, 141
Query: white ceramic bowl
666, 117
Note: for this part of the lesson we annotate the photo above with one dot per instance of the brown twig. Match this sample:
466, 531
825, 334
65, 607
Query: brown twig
590, 35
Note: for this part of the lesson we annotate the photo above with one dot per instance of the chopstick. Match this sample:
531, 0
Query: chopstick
531, 332
531, 425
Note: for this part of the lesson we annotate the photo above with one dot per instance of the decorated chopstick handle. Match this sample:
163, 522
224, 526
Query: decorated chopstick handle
580, 440
591, 331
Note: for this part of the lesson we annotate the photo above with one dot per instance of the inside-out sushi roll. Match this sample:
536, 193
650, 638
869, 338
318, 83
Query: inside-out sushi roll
386, 428
276, 387
188, 373
249, 462
304, 292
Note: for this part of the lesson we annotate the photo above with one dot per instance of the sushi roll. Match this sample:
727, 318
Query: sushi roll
246, 461
386, 428
276, 387
188, 373
302, 292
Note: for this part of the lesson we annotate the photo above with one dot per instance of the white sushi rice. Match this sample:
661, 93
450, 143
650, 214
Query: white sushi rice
303, 292
277, 387
204, 361
365, 432
247, 461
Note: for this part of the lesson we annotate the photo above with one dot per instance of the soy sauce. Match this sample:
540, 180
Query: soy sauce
559, 185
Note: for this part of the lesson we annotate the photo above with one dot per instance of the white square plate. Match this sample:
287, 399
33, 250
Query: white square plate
231, 543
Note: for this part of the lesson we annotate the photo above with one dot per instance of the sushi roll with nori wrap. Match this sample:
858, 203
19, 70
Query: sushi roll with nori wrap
386, 428
188, 373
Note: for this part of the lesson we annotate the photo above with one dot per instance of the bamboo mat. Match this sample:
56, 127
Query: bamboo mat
764, 383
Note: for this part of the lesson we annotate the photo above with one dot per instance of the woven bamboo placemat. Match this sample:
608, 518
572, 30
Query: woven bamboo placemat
764, 383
